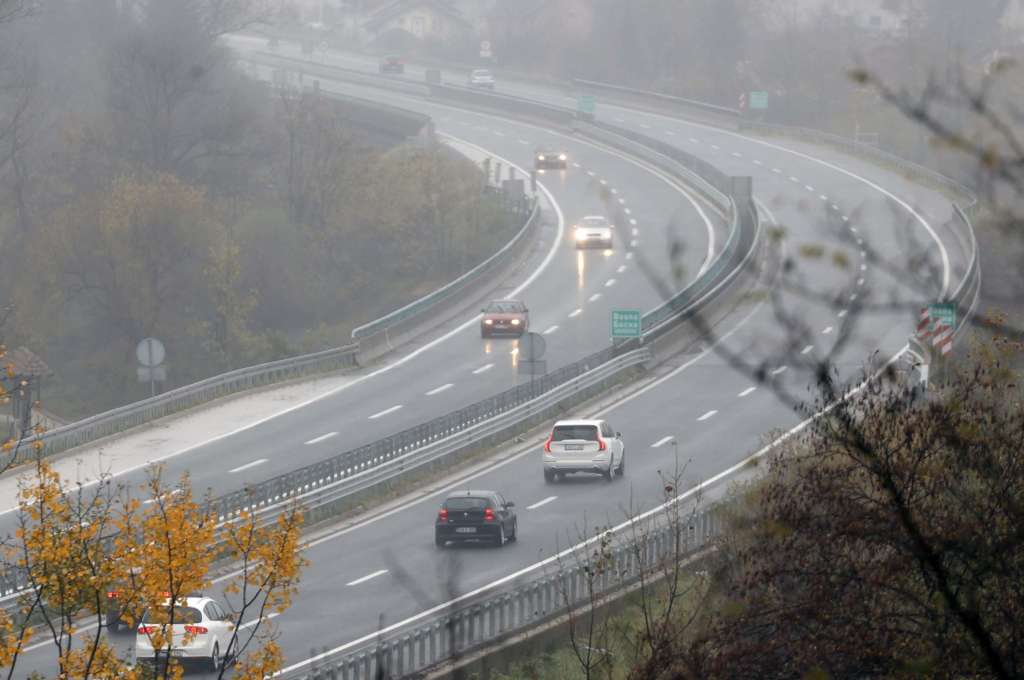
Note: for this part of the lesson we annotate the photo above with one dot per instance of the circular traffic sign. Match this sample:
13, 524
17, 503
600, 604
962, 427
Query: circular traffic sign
150, 352
532, 347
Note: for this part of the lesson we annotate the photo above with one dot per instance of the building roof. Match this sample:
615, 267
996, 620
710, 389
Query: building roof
27, 363
399, 7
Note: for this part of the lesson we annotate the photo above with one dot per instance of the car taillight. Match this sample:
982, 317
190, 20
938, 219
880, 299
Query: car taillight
547, 444
601, 446
196, 630
442, 515
147, 630
113, 595
488, 515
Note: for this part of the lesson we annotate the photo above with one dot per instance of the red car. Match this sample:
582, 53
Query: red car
392, 65
504, 317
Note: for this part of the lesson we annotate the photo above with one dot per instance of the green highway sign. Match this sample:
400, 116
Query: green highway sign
943, 313
759, 100
626, 323
585, 104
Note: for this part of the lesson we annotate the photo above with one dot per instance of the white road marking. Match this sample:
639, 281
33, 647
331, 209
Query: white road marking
174, 492
576, 165
499, 133
627, 211
367, 577
747, 392
614, 190
716, 147
250, 624
483, 369
321, 438
622, 201
253, 464
853, 230
634, 243
576, 313
853, 298
619, 120
709, 414
629, 256
737, 154
604, 181
645, 126
636, 232
632, 221
843, 313
828, 331
777, 171
439, 390
860, 282
609, 283
385, 412
540, 503
780, 370
758, 163
824, 198
846, 219
591, 173
863, 267
835, 207
670, 133
809, 188
621, 268
807, 350
661, 442
551, 330
523, 142
595, 297
863, 253
794, 179
860, 241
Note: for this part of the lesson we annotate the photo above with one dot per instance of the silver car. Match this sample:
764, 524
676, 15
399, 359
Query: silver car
482, 78
583, 446
593, 231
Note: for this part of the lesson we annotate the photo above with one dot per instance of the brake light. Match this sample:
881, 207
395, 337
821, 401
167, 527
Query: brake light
147, 630
442, 515
547, 444
196, 630
488, 515
601, 446
113, 594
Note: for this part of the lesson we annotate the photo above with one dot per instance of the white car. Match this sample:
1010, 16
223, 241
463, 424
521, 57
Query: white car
593, 231
202, 631
583, 446
481, 77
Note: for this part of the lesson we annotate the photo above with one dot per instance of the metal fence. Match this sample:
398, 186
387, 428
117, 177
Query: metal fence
473, 622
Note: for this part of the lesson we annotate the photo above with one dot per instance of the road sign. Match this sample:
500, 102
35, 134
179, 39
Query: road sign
532, 367
743, 101
152, 374
943, 313
150, 352
532, 347
585, 104
759, 100
485, 49
626, 323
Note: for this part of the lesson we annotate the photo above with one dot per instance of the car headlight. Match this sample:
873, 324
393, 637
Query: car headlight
540, 157
515, 322
562, 157
581, 236
488, 322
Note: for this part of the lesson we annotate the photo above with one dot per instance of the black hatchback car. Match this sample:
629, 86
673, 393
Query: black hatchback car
475, 516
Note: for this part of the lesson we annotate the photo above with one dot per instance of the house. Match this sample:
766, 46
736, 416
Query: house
436, 20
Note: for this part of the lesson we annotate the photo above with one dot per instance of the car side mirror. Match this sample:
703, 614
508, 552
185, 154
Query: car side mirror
510, 504
619, 435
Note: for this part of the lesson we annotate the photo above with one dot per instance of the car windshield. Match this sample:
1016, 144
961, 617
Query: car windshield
595, 221
482, 74
181, 615
464, 503
504, 307
564, 432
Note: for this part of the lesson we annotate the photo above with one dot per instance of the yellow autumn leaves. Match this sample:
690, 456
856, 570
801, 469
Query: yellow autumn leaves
80, 550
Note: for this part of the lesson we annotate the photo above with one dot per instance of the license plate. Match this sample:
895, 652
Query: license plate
465, 530
177, 652
573, 447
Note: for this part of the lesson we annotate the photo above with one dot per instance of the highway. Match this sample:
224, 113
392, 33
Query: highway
387, 568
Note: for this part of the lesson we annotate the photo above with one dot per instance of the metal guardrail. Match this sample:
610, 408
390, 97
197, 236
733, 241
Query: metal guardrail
428, 302
475, 622
657, 96
185, 397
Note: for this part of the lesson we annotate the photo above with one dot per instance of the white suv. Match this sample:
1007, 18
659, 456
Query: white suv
481, 78
583, 446
202, 631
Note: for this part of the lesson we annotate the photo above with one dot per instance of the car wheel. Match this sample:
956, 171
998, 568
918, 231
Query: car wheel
515, 531
214, 663
501, 535
608, 474
621, 470
438, 541
549, 476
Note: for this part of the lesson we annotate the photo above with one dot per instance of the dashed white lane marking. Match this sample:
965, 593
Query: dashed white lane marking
628, 212
499, 133
807, 350
777, 171
253, 464
863, 267
670, 133
863, 253
809, 188
853, 298
661, 442
747, 392
250, 624
694, 140
846, 219
619, 120
540, 503
609, 283
828, 331
843, 313
367, 577
523, 142
633, 221
860, 241
595, 297
645, 126
576, 165
824, 198
634, 243
835, 207
737, 154
853, 229
622, 201
629, 256
780, 370
860, 282
636, 232
604, 182
709, 414
591, 173
794, 179
551, 330
716, 147
576, 313
483, 369
621, 268
614, 190
321, 438
439, 390
385, 412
